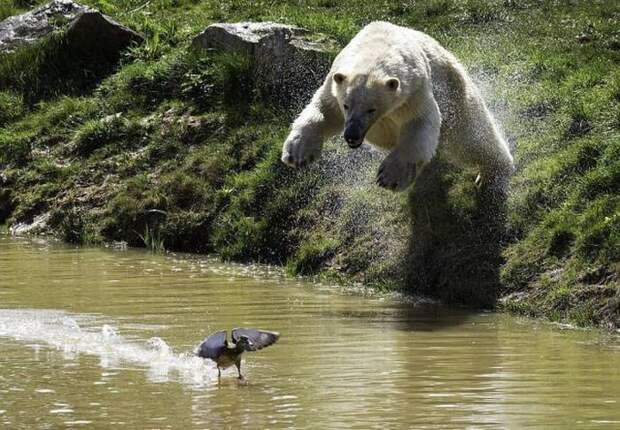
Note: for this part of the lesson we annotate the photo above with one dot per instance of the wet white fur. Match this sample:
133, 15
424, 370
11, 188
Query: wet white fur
436, 106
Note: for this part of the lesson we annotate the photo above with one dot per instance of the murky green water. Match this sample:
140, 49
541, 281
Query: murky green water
93, 338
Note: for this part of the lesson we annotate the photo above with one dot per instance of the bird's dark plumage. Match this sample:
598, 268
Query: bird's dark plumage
213, 346
217, 348
259, 339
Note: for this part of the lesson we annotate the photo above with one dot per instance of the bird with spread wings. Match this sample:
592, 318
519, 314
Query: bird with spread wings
217, 348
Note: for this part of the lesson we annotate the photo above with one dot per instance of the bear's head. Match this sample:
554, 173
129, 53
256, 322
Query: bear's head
363, 99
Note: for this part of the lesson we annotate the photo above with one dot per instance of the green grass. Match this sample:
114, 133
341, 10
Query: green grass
176, 146
152, 240
47, 69
11, 107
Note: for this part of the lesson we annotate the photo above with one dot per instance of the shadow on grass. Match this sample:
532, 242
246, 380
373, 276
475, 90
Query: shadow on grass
63, 63
457, 231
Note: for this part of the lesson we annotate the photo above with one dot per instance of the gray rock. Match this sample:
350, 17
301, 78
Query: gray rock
88, 29
25, 29
93, 31
40, 224
289, 62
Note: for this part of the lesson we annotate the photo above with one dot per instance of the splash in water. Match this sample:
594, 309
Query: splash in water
80, 334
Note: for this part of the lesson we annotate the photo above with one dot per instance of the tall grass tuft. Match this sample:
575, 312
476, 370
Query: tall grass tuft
152, 240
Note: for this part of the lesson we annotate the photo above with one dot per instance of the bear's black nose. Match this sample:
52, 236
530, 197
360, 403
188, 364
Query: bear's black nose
353, 134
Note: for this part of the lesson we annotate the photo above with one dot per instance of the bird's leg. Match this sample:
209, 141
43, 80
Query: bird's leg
238, 364
219, 372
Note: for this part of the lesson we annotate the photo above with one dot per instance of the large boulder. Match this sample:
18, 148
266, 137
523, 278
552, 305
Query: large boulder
289, 62
28, 28
59, 48
92, 30
87, 29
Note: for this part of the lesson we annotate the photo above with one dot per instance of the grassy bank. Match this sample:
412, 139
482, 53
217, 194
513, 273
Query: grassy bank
174, 150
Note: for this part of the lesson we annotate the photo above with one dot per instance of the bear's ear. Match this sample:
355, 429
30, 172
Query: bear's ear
339, 78
392, 84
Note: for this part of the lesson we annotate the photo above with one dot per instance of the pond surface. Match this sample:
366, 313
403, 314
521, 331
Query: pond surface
97, 337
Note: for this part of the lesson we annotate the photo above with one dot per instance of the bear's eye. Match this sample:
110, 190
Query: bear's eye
346, 107
372, 110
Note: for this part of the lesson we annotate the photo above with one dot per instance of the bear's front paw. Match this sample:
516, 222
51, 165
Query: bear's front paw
395, 174
298, 152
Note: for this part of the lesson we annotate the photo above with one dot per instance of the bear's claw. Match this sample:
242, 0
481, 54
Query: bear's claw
291, 161
395, 175
390, 186
297, 153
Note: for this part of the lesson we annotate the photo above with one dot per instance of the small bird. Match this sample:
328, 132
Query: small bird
217, 348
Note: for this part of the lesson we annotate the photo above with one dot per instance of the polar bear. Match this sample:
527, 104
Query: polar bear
400, 90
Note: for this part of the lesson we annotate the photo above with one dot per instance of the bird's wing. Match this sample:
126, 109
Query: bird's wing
213, 345
259, 338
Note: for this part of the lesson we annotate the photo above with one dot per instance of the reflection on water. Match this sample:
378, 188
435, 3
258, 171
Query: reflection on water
95, 337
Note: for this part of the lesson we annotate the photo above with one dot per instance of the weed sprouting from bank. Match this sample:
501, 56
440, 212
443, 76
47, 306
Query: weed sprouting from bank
152, 240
